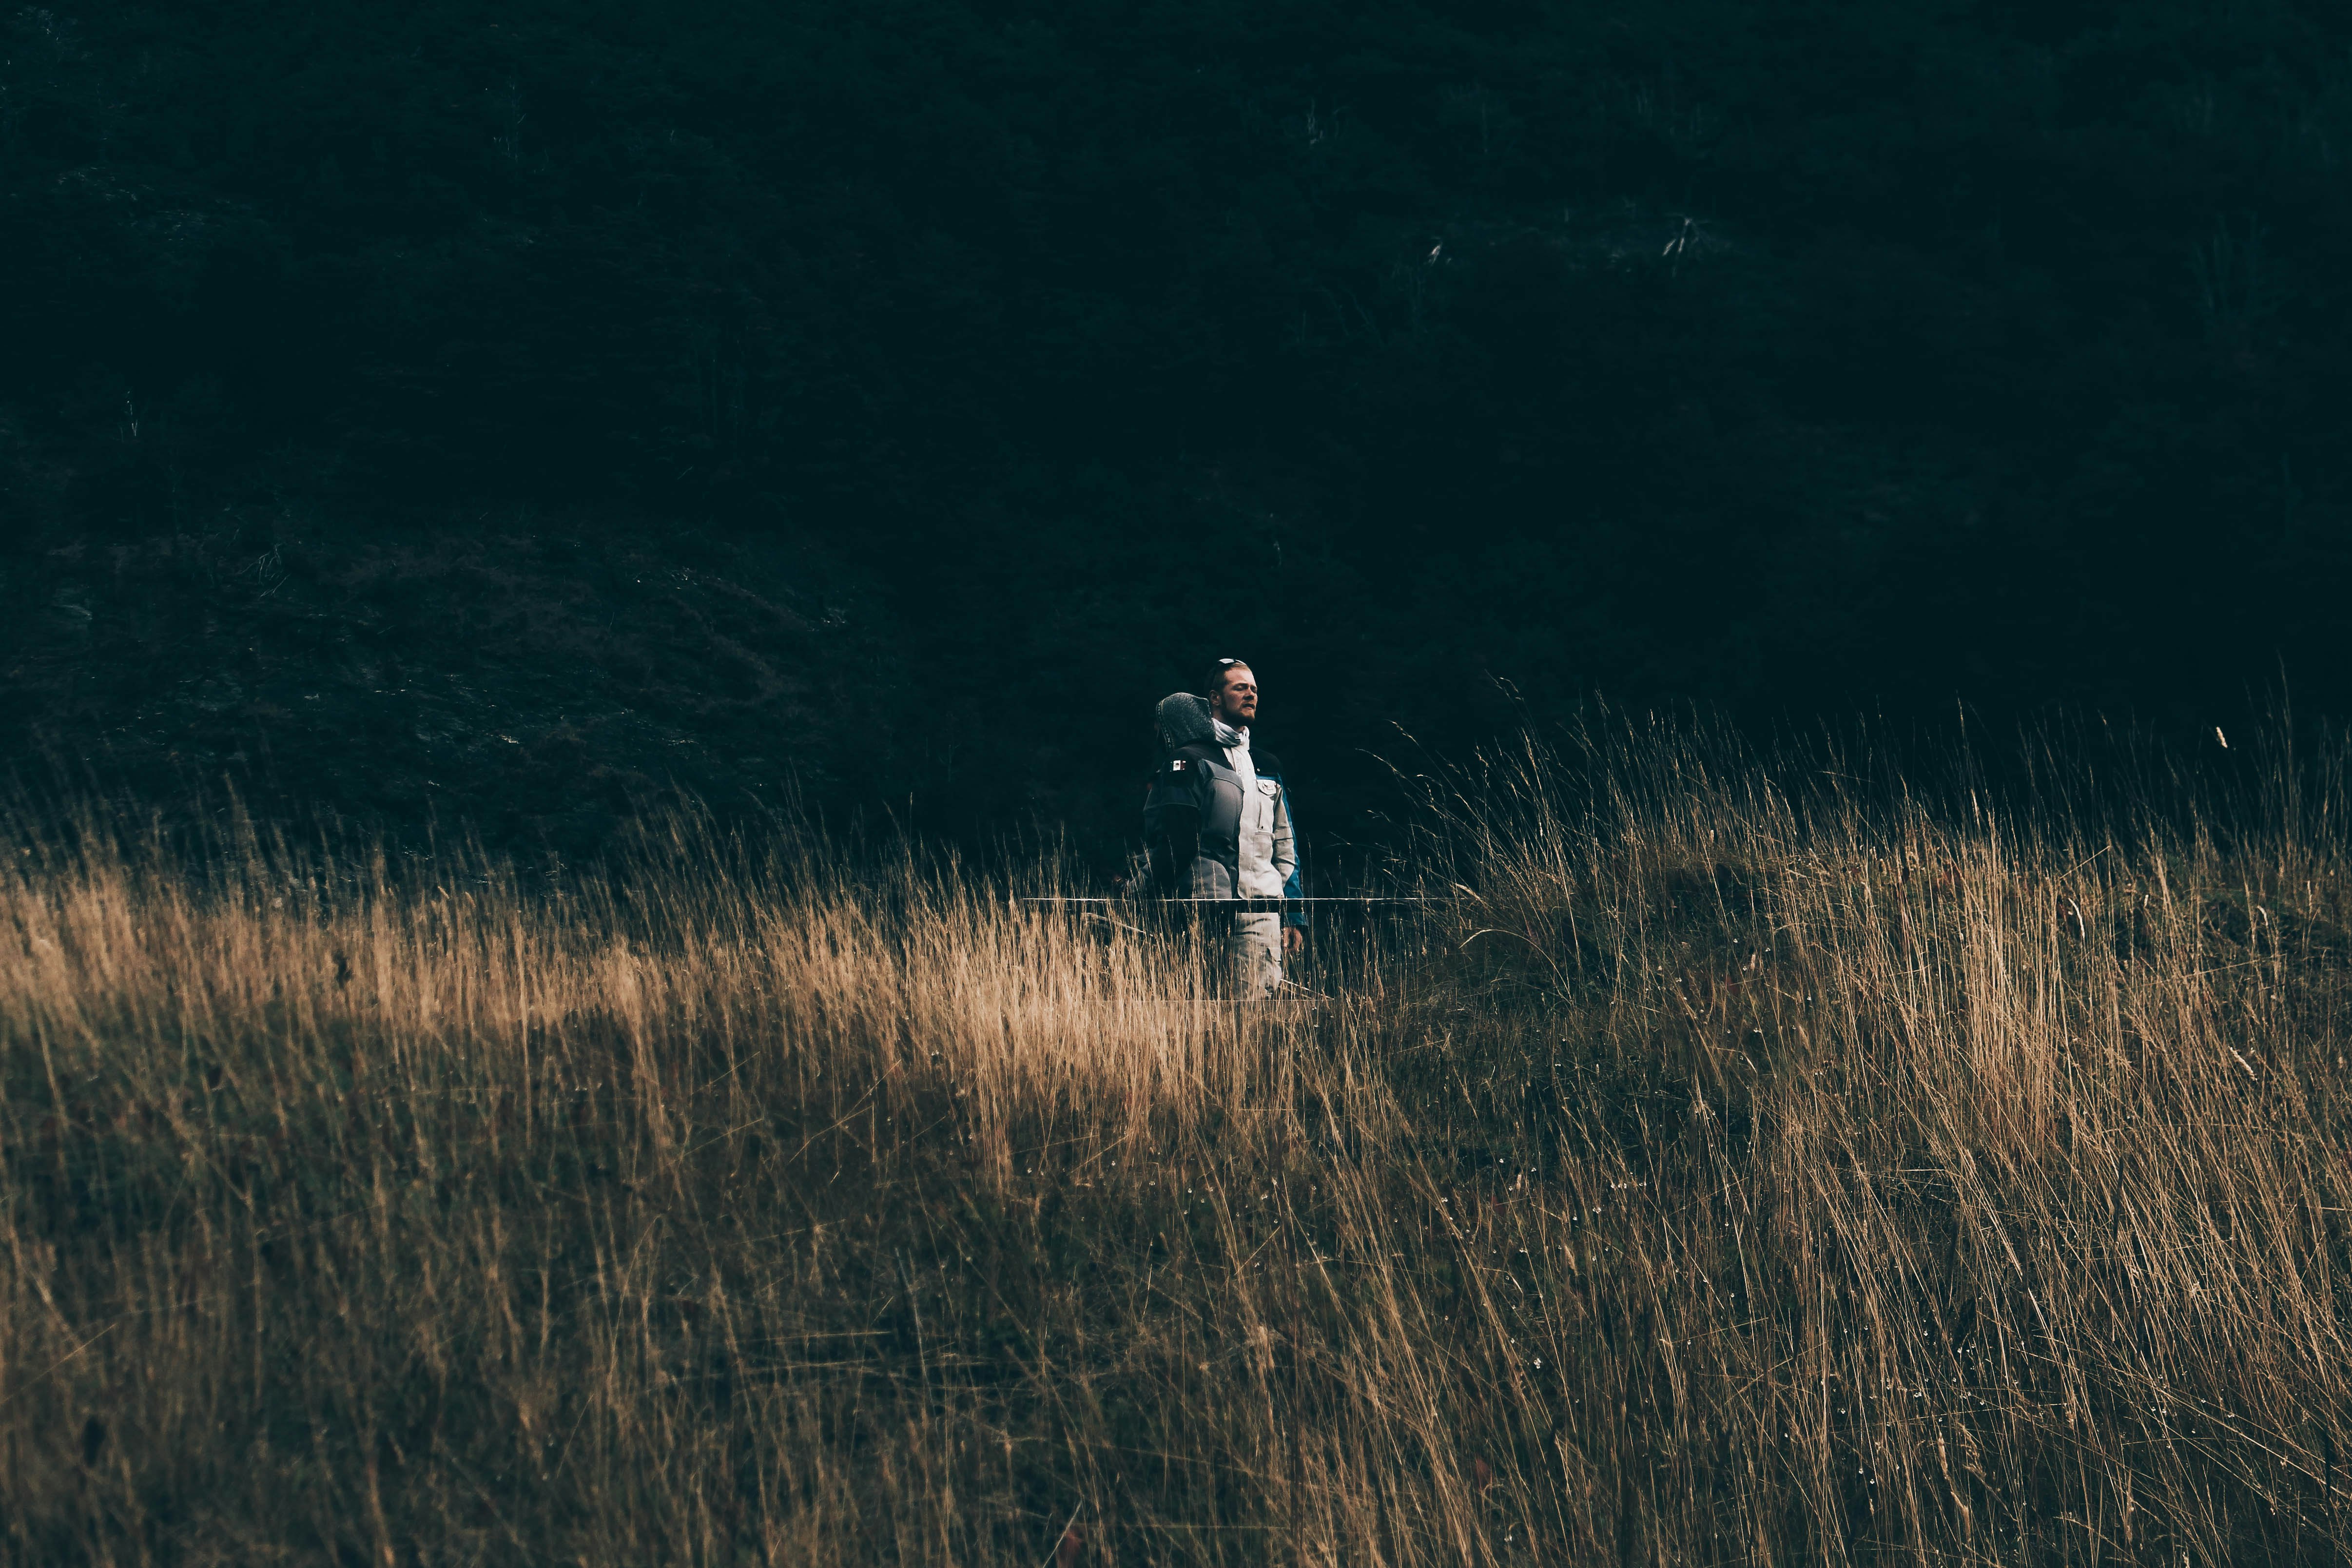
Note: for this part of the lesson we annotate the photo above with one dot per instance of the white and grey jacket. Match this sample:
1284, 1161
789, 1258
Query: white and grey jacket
1216, 819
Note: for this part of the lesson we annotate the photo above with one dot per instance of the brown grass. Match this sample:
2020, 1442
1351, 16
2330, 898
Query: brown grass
1754, 1167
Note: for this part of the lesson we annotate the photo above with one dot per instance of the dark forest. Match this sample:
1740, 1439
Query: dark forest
503, 412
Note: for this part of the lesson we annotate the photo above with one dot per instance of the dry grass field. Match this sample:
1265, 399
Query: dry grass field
1753, 1163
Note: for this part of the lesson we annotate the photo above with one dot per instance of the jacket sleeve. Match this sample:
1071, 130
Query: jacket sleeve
1286, 857
1171, 827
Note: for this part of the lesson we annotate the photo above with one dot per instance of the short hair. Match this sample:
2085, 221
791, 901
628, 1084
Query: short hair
1219, 671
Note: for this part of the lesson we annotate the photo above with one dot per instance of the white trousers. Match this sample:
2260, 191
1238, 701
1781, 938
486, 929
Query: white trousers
1255, 946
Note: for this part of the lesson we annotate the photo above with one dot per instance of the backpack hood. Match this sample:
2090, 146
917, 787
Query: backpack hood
1184, 720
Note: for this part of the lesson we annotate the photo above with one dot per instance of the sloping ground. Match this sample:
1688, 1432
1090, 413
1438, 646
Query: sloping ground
1749, 1170
532, 683
1803, 361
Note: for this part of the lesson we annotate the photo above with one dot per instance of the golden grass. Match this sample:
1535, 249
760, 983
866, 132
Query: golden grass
1753, 1168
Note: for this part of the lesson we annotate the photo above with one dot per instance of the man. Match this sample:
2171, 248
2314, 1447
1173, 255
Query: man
1217, 822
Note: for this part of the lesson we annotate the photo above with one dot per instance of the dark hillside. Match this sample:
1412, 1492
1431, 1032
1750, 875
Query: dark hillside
496, 408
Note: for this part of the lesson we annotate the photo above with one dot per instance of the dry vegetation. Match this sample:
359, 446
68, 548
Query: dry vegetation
1758, 1165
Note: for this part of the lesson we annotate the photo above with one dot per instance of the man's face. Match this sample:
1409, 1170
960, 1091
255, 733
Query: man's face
1237, 698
